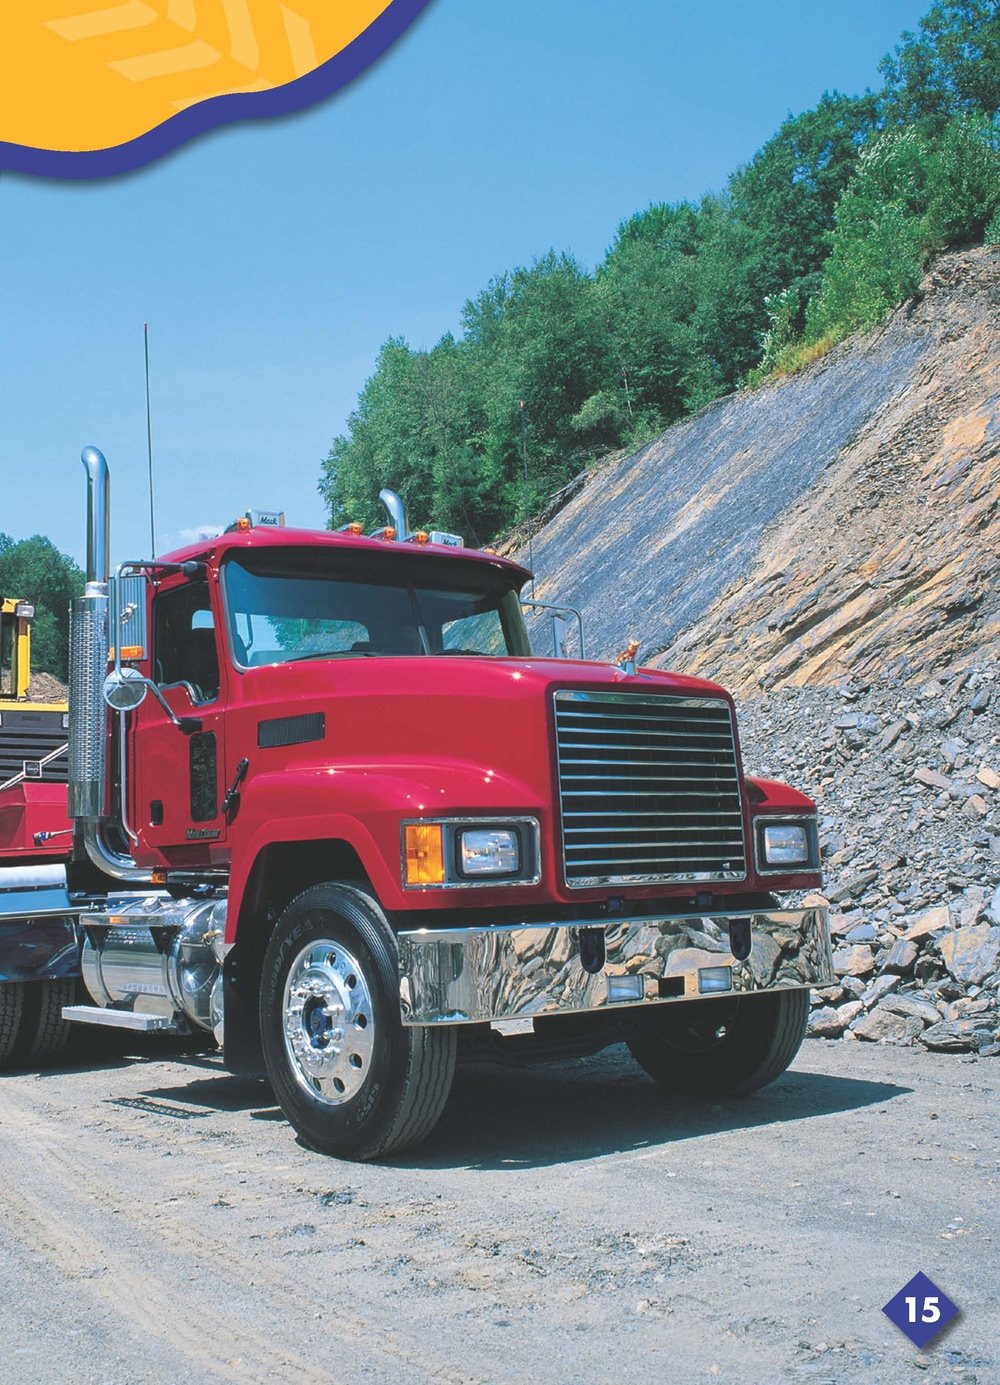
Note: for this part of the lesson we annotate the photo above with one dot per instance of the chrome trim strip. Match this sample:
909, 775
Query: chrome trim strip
496, 972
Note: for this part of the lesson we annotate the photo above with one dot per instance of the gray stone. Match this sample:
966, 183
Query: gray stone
849, 1012
932, 780
828, 995
825, 1024
891, 734
881, 986
901, 957
956, 1036
863, 933
913, 1005
853, 886
993, 908
971, 954
883, 1027
853, 961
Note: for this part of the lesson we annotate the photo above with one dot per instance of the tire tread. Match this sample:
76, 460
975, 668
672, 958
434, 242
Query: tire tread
11, 1014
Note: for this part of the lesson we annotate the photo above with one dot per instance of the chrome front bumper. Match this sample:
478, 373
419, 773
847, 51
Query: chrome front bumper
525, 971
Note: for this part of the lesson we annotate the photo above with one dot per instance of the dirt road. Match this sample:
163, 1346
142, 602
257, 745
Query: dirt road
566, 1224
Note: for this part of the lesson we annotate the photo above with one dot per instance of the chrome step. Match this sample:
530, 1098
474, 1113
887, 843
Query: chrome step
119, 1019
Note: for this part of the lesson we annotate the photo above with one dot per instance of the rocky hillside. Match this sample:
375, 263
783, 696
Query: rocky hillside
828, 546
842, 521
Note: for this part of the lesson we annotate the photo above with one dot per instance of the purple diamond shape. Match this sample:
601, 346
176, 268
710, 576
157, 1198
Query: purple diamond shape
920, 1310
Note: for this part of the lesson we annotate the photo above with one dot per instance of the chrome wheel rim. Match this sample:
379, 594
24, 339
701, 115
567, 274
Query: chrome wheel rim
328, 1022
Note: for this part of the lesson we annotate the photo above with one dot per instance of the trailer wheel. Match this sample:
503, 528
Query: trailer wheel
11, 1010
44, 1035
352, 1080
723, 1047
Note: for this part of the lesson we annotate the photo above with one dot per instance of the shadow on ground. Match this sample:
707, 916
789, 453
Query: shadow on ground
500, 1117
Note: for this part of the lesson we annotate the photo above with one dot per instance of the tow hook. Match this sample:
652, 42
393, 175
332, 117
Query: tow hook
593, 950
740, 939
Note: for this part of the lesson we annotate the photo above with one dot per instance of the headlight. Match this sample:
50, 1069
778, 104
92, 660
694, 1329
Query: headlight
785, 844
494, 851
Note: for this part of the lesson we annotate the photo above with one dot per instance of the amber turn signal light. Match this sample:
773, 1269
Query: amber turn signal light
424, 853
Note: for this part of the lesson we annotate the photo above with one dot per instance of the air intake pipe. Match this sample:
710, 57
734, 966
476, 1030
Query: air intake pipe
88, 666
396, 510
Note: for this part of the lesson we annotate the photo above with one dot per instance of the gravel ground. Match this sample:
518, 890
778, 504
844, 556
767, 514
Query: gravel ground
565, 1223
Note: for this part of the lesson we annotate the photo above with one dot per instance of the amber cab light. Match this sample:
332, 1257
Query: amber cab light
388, 532
356, 528
424, 851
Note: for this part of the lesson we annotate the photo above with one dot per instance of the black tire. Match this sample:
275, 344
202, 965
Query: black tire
45, 1035
11, 1011
393, 1088
721, 1047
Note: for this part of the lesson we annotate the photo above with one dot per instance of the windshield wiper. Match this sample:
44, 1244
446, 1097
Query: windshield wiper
335, 654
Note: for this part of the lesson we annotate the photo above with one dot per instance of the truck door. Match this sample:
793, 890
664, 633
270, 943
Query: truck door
177, 802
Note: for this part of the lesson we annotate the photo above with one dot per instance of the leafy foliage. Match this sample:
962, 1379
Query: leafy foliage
34, 570
825, 231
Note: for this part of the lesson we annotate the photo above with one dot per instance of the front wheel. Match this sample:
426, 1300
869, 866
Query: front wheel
352, 1080
721, 1047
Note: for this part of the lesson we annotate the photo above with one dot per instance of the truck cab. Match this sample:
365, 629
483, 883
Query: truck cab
385, 832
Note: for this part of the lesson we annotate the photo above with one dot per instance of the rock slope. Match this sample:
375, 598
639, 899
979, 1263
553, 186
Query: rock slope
845, 520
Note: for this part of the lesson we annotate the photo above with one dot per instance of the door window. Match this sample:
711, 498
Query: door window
184, 641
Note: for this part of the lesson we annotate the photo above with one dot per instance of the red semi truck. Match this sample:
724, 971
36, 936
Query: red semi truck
330, 807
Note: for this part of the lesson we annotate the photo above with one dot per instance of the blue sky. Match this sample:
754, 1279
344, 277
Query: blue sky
272, 259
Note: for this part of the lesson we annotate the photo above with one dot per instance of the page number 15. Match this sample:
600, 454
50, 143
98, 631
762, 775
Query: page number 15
931, 1312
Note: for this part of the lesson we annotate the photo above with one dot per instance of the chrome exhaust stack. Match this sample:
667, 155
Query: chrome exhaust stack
88, 654
396, 510
88, 667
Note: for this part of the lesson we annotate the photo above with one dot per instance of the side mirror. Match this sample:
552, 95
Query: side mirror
125, 689
564, 618
560, 635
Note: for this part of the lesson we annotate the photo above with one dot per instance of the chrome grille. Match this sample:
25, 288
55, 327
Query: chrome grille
649, 789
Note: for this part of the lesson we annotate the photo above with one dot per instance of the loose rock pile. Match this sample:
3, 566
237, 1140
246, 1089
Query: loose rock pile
907, 781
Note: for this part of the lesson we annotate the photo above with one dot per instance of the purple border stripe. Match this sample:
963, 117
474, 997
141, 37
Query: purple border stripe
342, 68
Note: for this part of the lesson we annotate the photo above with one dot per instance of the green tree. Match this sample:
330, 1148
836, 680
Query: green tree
951, 65
645, 298
963, 181
534, 335
34, 570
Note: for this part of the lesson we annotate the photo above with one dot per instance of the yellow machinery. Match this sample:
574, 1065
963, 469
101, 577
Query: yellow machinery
32, 734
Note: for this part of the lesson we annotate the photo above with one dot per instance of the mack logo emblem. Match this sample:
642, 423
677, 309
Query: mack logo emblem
202, 834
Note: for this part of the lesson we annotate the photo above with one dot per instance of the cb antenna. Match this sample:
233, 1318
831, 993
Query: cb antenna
527, 492
149, 447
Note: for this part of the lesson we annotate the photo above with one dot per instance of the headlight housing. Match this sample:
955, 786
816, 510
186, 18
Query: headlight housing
451, 853
786, 846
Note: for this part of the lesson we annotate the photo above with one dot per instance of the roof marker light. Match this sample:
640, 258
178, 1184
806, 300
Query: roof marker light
388, 532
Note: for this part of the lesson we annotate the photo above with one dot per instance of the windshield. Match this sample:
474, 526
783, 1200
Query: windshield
281, 607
